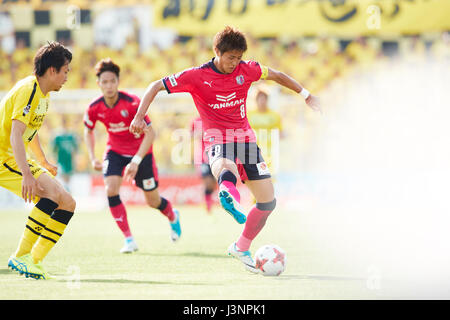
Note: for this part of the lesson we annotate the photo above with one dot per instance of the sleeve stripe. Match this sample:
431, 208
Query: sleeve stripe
165, 85
27, 107
32, 94
87, 125
264, 72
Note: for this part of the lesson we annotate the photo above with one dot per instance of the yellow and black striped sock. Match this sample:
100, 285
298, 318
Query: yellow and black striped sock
53, 230
38, 218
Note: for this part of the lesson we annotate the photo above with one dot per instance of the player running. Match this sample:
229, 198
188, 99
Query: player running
219, 89
201, 163
22, 112
127, 155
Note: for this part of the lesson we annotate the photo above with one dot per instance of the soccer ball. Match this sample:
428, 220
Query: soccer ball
270, 260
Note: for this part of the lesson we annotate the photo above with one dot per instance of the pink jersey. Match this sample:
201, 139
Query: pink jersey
117, 121
220, 99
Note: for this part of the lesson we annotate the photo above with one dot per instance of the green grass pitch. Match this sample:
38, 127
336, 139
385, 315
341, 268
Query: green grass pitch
86, 263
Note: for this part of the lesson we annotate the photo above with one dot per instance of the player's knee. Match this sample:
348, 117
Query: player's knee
267, 206
52, 191
227, 175
67, 201
111, 190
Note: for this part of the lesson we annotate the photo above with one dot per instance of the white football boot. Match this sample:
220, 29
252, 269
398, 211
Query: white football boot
129, 247
244, 256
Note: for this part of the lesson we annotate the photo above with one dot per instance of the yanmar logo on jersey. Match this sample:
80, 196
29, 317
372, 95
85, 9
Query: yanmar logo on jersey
117, 127
226, 101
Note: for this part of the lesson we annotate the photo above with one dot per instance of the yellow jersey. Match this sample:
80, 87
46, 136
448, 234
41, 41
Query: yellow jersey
24, 102
264, 124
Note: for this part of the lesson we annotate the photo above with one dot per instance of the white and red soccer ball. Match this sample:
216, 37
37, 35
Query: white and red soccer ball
270, 260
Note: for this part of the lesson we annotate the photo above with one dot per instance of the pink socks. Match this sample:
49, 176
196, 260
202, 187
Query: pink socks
256, 219
119, 214
227, 181
166, 209
231, 188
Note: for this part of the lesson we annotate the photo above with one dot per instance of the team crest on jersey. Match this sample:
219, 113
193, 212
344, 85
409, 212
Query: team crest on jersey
124, 113
26, 110
240, 79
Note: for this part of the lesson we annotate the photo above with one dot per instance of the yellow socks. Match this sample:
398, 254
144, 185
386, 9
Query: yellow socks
50, 235
38, 218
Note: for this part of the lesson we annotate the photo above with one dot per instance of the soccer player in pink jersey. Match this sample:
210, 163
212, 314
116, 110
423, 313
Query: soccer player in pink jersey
129, 155
219, 89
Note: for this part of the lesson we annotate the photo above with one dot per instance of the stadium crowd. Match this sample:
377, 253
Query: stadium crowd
315, 62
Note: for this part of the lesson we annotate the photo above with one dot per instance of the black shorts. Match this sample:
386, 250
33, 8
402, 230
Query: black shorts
247, 156
146, 177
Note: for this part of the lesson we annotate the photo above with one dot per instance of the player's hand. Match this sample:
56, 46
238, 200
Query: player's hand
130, 171
30, 187
97, 165
50, 167
314, 103
137, 126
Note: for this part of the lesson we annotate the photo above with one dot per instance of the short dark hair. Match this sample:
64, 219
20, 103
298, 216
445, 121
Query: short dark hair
106, 65
230, 39
53, 54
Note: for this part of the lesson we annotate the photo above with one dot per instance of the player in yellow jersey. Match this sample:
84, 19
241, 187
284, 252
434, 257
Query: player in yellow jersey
22, 112
268, 129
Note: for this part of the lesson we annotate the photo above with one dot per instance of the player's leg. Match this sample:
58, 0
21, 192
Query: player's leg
46, 221
119, 212
155, 201
65, 171
113, 166
258, 180
37, 219
209, 183
54, 229
263, 193
147, 179
116, 207
21, 260
225, 171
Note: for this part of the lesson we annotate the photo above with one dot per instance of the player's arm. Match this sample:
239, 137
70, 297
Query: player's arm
138, 124
29, 183
35, 146
290, 83
89, 139
132, 168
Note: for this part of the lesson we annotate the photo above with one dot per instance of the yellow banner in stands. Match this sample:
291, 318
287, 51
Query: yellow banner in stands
304, 17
